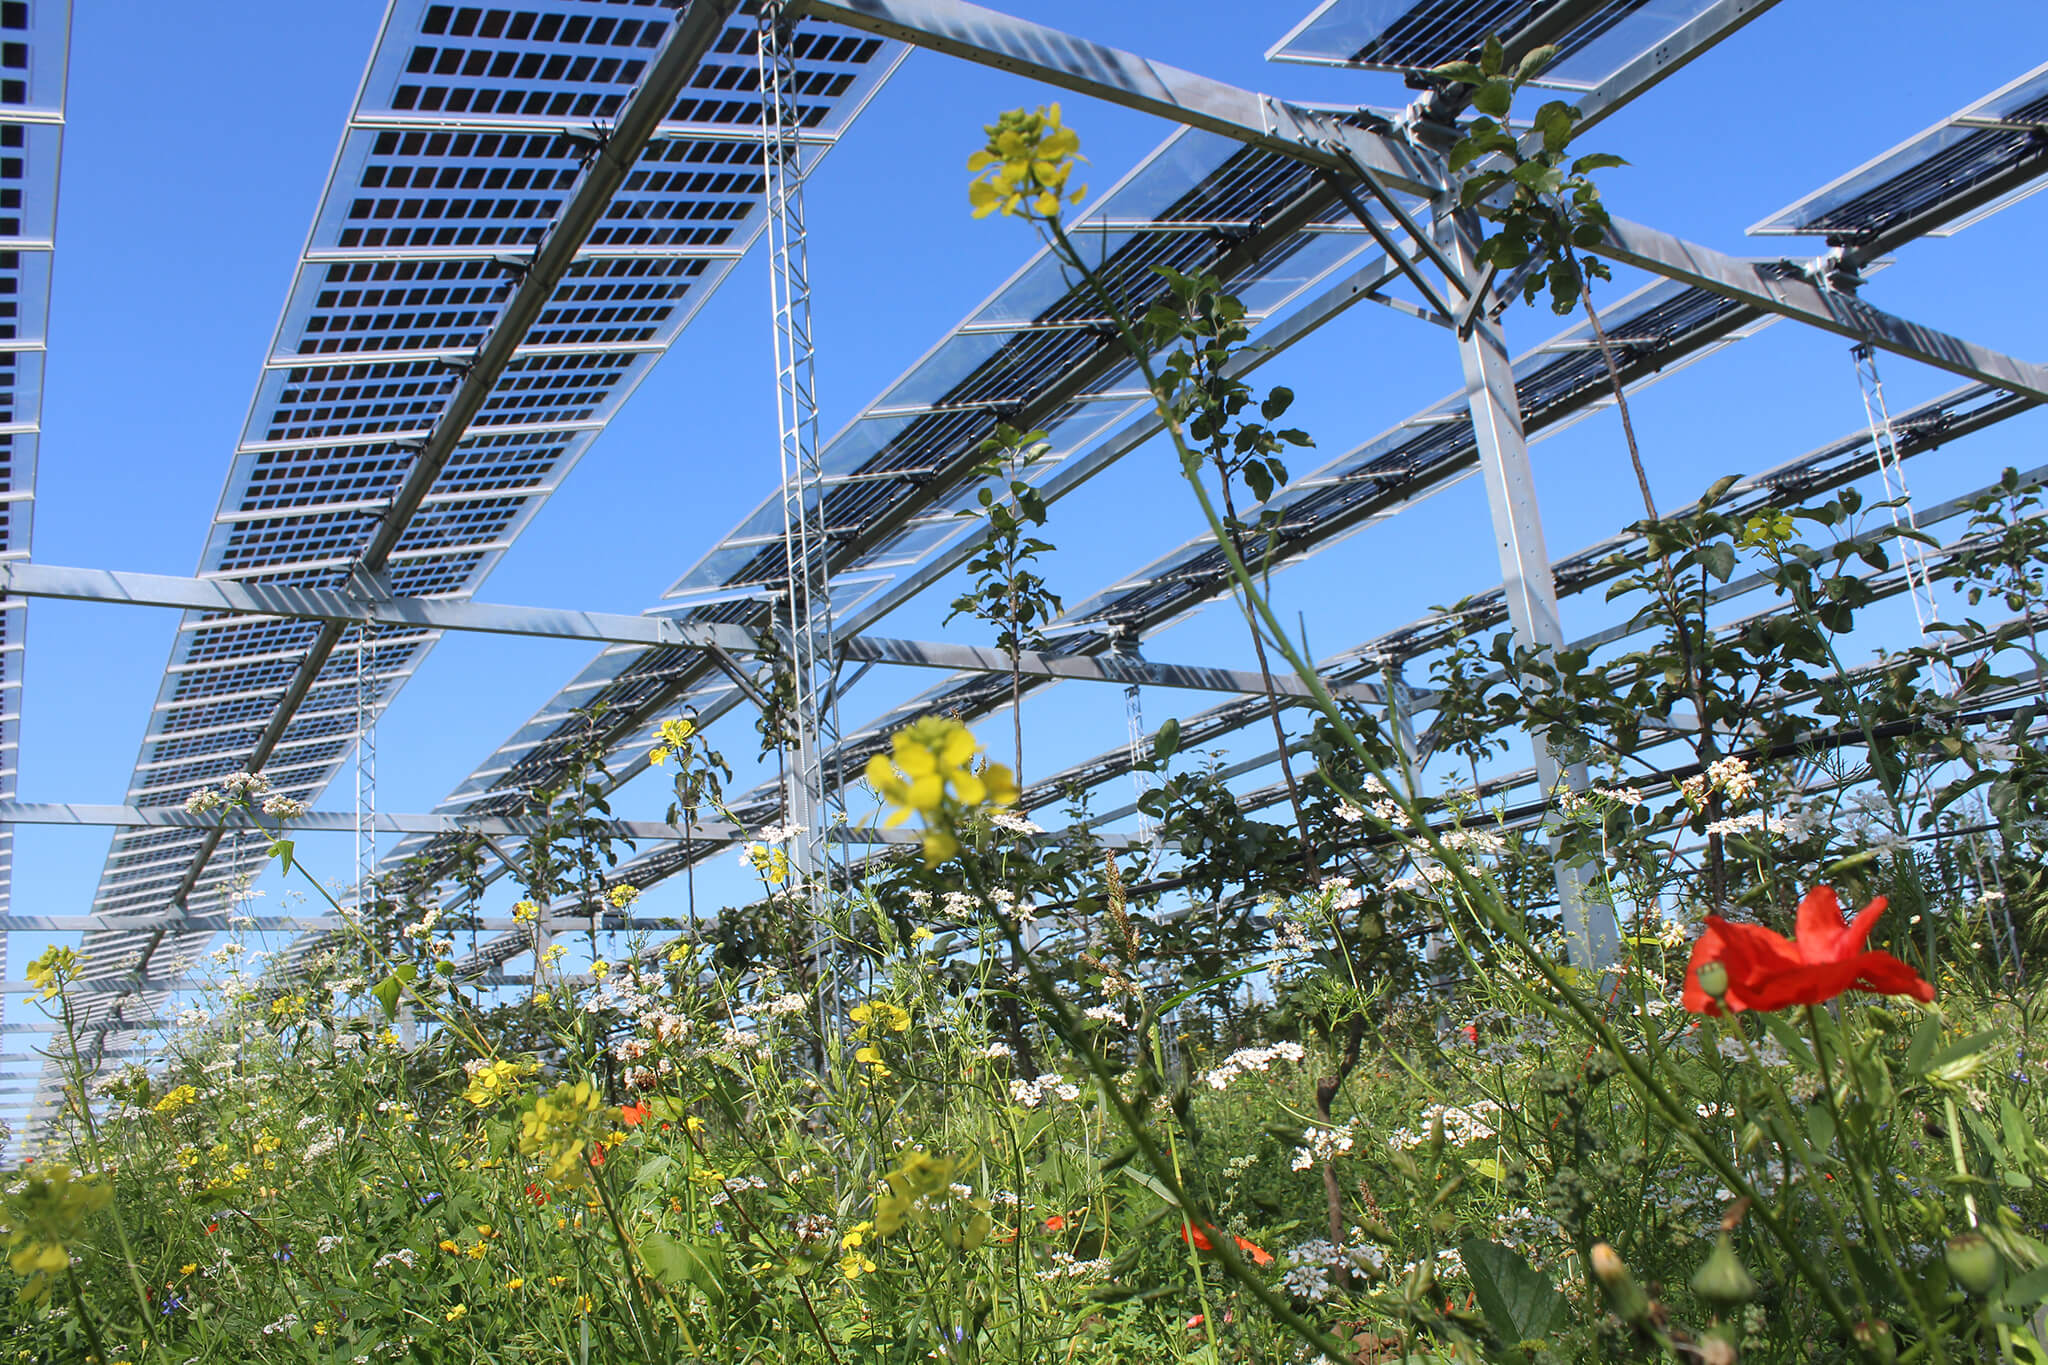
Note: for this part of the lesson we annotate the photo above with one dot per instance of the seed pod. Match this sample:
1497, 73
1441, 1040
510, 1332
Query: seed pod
1723, 1281
1973, 1261
1713, 979
1631, 1304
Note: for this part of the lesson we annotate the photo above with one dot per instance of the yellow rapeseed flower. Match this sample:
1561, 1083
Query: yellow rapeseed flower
929, 773
176, 1098
53, 970
1025, 165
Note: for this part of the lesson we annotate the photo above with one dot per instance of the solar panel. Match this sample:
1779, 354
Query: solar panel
1406, 36
468, 133
34, 41
1974, 155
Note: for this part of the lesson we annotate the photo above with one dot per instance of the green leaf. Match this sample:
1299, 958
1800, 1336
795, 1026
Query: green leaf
1520, 1304
282, 849
1167, 742
1151, 1182
1597, 161
1465, 73
386, 992
1718, 559
1820, 1128
2028, 1290
1493, 97
683, 1264
1534, 62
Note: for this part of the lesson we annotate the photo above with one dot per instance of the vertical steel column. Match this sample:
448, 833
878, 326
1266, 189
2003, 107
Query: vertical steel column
1531, 594
815, 803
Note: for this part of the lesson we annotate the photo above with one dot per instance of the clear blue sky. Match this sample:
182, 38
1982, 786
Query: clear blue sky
200, 138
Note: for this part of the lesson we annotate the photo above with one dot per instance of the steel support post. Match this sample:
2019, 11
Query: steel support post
815, 800
1590, 932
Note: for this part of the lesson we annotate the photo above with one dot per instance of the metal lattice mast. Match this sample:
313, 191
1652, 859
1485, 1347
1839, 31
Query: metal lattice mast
814, 803
1920, 586
366, 768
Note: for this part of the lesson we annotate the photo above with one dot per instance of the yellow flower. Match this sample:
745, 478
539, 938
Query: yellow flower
669, 739
459, 1310
557, 1281
871, 1056
516, 1282
853, 1265
584, 1303
525, 912
929, 774
495, 1081
559, 1126
600, 969
771, 863
1025, 165
188, 1268
622, 896
53, 970
178, 1097
877, 1015
449, 1247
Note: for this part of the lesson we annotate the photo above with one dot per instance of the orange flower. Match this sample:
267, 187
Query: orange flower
1190, 1233
1056, 1223
633, 1115
1767, 971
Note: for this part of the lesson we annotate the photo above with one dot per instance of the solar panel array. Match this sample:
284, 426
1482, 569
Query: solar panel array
1990, 147
470, 129
1037, 345
1654, 329
1922, 429
34, 43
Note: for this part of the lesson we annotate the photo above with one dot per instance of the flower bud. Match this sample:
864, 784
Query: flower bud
1973, 1261
1630, 1302
1713, 979
1723, 1281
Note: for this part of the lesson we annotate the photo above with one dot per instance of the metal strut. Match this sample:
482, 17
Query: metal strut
814, 803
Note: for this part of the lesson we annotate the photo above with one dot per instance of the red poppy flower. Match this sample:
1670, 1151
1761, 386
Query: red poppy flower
536, 1193
1056, 1223
1190, 1233
597, 1154
1768, 971
633, 1115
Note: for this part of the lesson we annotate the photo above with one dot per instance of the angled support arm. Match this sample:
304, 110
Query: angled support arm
1793, 295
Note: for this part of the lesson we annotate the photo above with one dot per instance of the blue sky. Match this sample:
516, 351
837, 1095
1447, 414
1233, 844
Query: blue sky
200, 137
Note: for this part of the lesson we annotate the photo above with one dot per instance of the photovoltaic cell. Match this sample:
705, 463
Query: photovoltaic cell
1405, 36
1997, 143
468, 135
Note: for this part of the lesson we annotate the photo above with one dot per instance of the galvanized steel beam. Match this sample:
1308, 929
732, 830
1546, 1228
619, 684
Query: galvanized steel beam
989, 38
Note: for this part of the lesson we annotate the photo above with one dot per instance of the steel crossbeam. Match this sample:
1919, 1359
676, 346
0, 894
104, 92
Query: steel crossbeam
1772, 287
1046, 54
